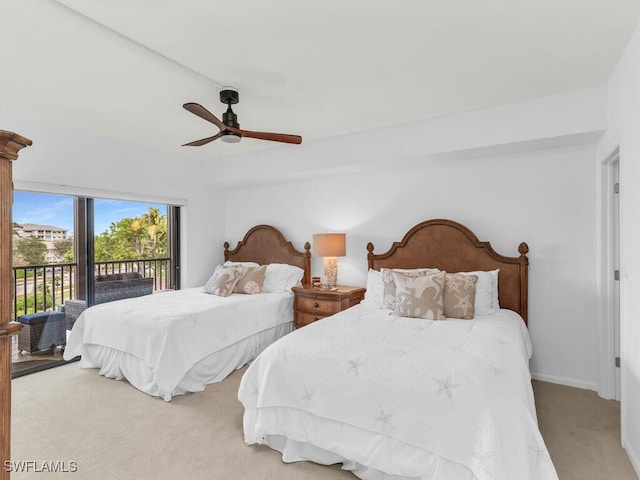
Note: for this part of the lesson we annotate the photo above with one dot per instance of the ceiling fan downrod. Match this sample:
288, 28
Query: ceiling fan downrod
229, 118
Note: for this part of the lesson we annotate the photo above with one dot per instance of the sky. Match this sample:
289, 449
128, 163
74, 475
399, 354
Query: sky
57, 210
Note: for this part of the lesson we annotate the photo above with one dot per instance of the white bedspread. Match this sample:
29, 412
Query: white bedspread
399, 397
171, 331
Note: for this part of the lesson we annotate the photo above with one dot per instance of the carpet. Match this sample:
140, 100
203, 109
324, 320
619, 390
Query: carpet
111, 430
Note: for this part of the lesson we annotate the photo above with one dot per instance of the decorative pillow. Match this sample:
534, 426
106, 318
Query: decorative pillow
251, 282
375, 288
280, 277
420, 296
223, 280
486, 291
389, 294
460, 296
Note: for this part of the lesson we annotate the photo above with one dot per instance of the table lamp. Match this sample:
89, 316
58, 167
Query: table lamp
329, 246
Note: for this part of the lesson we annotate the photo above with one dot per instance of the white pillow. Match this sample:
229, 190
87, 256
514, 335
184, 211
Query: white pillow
494, 300
375, 289
229, 263
486, 292
280, 277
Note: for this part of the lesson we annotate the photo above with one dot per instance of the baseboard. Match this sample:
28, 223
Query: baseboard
569, 382
633, 456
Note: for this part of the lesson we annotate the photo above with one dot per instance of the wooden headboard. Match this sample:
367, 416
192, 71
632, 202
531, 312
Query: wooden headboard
265, 244
452, 247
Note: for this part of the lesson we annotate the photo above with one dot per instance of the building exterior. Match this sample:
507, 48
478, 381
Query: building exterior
46, 233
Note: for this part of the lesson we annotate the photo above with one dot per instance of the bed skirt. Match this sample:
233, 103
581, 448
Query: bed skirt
335, 434
211, 369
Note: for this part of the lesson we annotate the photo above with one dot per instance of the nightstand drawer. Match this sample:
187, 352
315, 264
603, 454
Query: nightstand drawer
304, 318
312, 304
320, 305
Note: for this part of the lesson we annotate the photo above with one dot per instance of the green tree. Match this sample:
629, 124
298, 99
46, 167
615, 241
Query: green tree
70, 256
31, 251
156, 226
64, 249
17, 260
132, 238
123, 241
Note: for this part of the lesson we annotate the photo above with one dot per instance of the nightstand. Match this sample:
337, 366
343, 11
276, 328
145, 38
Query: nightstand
311, 304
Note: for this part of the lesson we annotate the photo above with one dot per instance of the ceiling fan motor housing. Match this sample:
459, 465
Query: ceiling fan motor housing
230, 119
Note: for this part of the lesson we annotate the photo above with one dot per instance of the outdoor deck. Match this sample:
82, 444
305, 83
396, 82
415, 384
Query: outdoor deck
42, 288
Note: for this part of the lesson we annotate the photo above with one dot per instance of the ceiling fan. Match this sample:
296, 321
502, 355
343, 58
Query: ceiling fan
230, 131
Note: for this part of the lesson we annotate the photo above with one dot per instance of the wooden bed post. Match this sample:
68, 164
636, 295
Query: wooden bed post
10, 144
523, 249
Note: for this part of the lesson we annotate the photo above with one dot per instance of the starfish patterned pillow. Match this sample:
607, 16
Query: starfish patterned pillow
224, 280
420, 297
460, 296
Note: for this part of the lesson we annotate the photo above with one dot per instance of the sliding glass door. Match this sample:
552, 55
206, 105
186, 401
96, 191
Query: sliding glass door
44, 264
71, 252
132, 238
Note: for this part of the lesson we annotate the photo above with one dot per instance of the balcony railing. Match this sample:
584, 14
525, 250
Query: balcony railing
156, 268
39, 288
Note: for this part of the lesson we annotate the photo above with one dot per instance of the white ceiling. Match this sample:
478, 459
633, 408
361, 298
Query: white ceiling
122, 69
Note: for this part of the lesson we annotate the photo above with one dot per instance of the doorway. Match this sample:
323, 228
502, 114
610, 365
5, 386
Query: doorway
615, 254
610, 378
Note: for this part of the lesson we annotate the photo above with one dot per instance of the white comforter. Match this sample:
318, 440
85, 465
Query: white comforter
398, 397
171, 331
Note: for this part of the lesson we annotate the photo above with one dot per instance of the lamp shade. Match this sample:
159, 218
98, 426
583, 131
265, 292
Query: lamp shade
329, 244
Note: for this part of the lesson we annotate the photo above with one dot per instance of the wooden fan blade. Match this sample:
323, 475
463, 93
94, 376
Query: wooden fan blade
203, 141
202, 112
274, 137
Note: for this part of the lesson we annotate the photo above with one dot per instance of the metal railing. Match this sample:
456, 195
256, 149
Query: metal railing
157, 268
40, 288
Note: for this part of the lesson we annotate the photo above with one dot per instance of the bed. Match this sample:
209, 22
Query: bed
391, 397
170, 343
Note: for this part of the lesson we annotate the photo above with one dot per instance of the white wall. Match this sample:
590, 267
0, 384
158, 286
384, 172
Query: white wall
524, 172
624, 130
60, 161
540, 192
550, 120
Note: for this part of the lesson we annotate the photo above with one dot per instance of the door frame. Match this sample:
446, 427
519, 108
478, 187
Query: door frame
608, 374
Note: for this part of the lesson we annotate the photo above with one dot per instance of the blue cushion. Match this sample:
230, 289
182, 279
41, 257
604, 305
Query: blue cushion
40, 317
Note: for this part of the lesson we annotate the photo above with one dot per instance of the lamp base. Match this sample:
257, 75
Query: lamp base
329, 273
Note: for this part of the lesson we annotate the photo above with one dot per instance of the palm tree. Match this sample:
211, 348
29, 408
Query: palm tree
156, 225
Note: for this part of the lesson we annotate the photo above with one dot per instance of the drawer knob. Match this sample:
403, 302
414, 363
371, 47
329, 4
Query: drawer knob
316, 305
